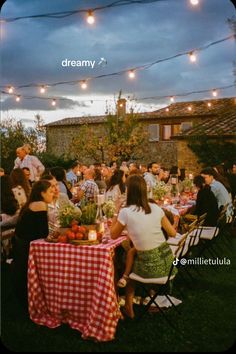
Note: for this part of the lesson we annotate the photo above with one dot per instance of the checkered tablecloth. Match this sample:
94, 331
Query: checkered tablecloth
75, 285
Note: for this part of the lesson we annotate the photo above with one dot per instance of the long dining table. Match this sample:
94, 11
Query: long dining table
75, 285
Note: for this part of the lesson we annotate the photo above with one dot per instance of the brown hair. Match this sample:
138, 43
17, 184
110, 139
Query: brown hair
18, 179
137, 193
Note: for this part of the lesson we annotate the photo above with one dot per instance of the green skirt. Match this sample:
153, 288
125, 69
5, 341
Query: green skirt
154, 263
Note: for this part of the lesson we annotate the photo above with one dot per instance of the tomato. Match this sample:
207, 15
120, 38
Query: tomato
75, 228
74, 222
71, 235
79, 236
82, 229
62, 238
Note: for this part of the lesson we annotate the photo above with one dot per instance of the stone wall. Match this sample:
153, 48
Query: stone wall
186, 158
59, 139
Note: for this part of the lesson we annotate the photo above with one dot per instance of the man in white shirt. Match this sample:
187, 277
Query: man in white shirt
151, 177
222, 195
32, 162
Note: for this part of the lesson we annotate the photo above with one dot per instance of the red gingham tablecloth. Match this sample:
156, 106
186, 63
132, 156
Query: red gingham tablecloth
75, 285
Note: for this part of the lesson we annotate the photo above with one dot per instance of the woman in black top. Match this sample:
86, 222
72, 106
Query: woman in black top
206, 202
32, 225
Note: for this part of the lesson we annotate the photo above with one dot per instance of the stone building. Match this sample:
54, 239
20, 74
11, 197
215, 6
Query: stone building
168, 130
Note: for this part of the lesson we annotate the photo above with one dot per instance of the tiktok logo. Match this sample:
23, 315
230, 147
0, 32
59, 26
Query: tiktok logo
175, 262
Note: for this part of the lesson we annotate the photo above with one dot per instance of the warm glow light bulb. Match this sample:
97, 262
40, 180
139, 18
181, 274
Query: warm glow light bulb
194, 2
209, 104
189, 108
10, 89
42, 89
172, 99
192, 57
18, 99
53, 102
90, 18
167, 109
131, 74
84, 85
214, 93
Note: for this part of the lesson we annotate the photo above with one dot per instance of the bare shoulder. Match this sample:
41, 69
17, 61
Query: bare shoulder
38, 206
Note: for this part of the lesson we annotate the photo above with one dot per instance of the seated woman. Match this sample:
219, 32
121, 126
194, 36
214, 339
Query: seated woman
144, 221
32, 224
206, 203
9, 204
116, 187
20, 186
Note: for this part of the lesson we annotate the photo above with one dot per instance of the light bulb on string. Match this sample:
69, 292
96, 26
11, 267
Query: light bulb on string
167, 109
18, 98
53, 103
192, 57
214, 93
90, 18
42, 89
172, 99
84, 85
131, 74
10, 89
209, 104
189, 108
194, 2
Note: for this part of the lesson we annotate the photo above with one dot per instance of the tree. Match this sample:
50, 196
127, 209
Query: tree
212, 152
121, 138
13, 135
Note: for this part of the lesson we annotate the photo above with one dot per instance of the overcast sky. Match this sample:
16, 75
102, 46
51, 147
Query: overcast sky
127, 36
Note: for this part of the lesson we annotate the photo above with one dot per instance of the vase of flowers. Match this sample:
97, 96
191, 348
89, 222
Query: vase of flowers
89, 212
160, 190
109, 209
66, 214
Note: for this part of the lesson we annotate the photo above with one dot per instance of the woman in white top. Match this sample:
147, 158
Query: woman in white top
144, 221
116, 187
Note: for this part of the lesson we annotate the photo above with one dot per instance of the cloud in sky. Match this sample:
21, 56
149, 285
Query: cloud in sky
128, 36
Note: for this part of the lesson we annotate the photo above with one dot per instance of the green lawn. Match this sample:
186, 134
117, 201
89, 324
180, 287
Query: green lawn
207, 321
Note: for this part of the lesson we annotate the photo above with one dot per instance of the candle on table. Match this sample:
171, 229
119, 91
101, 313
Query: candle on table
92, 235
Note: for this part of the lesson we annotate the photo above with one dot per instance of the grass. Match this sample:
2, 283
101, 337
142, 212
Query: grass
207, 322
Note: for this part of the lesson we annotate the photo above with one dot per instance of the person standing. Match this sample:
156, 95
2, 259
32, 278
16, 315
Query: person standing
32, 162
32, 224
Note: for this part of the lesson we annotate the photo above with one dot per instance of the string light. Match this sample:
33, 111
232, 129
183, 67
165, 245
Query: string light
90, 18
42, 89
209, 104
53, 102
167, 109
172, 99
18, 98
10, 89
83, 85
189, 108
214, 93
192, 57
194, 2
131, 74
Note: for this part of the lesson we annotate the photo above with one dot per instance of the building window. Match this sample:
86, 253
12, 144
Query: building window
154, 132
185, 126
166, 132
169, 130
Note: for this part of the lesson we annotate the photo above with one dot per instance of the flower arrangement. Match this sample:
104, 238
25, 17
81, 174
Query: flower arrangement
68, 213
186, 184
89, 212
160, 190
109, 208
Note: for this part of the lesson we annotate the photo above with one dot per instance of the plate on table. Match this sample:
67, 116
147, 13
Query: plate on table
84, 242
